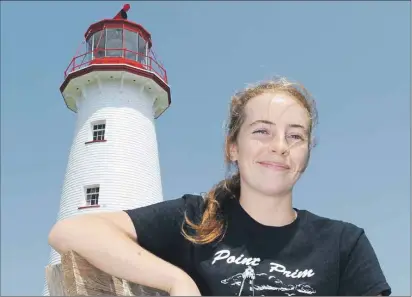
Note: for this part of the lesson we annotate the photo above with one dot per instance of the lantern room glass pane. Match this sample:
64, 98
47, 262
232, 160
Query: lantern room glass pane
114, 42
141, 50
99, 42
89, 49
130, 43
89, 44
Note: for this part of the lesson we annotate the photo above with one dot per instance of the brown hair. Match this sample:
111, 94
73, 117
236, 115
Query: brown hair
212, 224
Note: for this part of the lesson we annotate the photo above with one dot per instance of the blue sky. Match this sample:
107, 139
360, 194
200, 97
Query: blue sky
353, 56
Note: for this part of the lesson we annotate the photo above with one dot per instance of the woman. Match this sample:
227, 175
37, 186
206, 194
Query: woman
244, 237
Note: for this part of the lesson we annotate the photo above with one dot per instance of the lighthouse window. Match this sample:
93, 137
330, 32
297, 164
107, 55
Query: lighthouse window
92, 196
130, 43
142, 44
89, 49
99, 43
114, 42
98, 131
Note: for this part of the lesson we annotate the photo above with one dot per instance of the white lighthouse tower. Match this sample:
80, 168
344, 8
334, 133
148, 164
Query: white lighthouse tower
117, 89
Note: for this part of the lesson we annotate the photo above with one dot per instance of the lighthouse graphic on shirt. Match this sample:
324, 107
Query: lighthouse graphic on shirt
247, 285
249, 282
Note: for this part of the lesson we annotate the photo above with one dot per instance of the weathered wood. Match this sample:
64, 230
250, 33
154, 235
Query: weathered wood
54, 277
75, 276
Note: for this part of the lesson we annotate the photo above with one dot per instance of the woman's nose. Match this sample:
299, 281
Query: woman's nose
279, 145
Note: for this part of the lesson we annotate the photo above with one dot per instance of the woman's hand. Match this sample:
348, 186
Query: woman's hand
184, 286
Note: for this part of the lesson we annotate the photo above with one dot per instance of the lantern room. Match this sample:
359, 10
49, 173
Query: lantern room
113, 42
105, 39
119, 38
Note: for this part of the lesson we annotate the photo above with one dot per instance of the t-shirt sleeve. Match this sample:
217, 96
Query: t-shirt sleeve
158, 226
361, 274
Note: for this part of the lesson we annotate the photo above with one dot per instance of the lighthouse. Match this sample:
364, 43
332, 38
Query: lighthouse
117, 89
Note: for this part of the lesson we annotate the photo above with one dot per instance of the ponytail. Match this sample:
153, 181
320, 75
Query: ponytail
212, 225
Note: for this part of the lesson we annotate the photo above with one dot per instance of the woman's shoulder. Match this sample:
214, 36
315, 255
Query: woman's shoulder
360, 267
191, 204
344, 235
347, 235
334, 227
196, 200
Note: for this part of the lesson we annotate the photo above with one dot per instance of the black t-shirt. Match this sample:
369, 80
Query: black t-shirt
311, 256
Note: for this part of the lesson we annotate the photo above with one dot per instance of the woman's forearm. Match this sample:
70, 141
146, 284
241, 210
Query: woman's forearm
111, 250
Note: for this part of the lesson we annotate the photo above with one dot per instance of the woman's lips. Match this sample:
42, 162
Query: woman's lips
274, 165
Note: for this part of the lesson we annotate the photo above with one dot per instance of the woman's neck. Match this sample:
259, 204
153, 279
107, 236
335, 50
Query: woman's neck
268, 210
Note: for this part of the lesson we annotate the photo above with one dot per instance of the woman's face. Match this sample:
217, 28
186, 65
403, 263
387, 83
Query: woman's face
272, 147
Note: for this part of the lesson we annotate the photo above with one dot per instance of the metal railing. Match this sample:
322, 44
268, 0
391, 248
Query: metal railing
103, 56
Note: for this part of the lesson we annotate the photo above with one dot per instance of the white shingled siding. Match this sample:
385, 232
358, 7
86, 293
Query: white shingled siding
126, 166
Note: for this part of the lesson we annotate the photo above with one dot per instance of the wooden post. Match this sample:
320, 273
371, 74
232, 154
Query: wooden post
77, 277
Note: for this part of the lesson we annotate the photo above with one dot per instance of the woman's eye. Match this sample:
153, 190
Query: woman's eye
296, 136
260, 131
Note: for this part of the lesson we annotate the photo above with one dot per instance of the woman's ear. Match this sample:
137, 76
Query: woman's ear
233, 152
